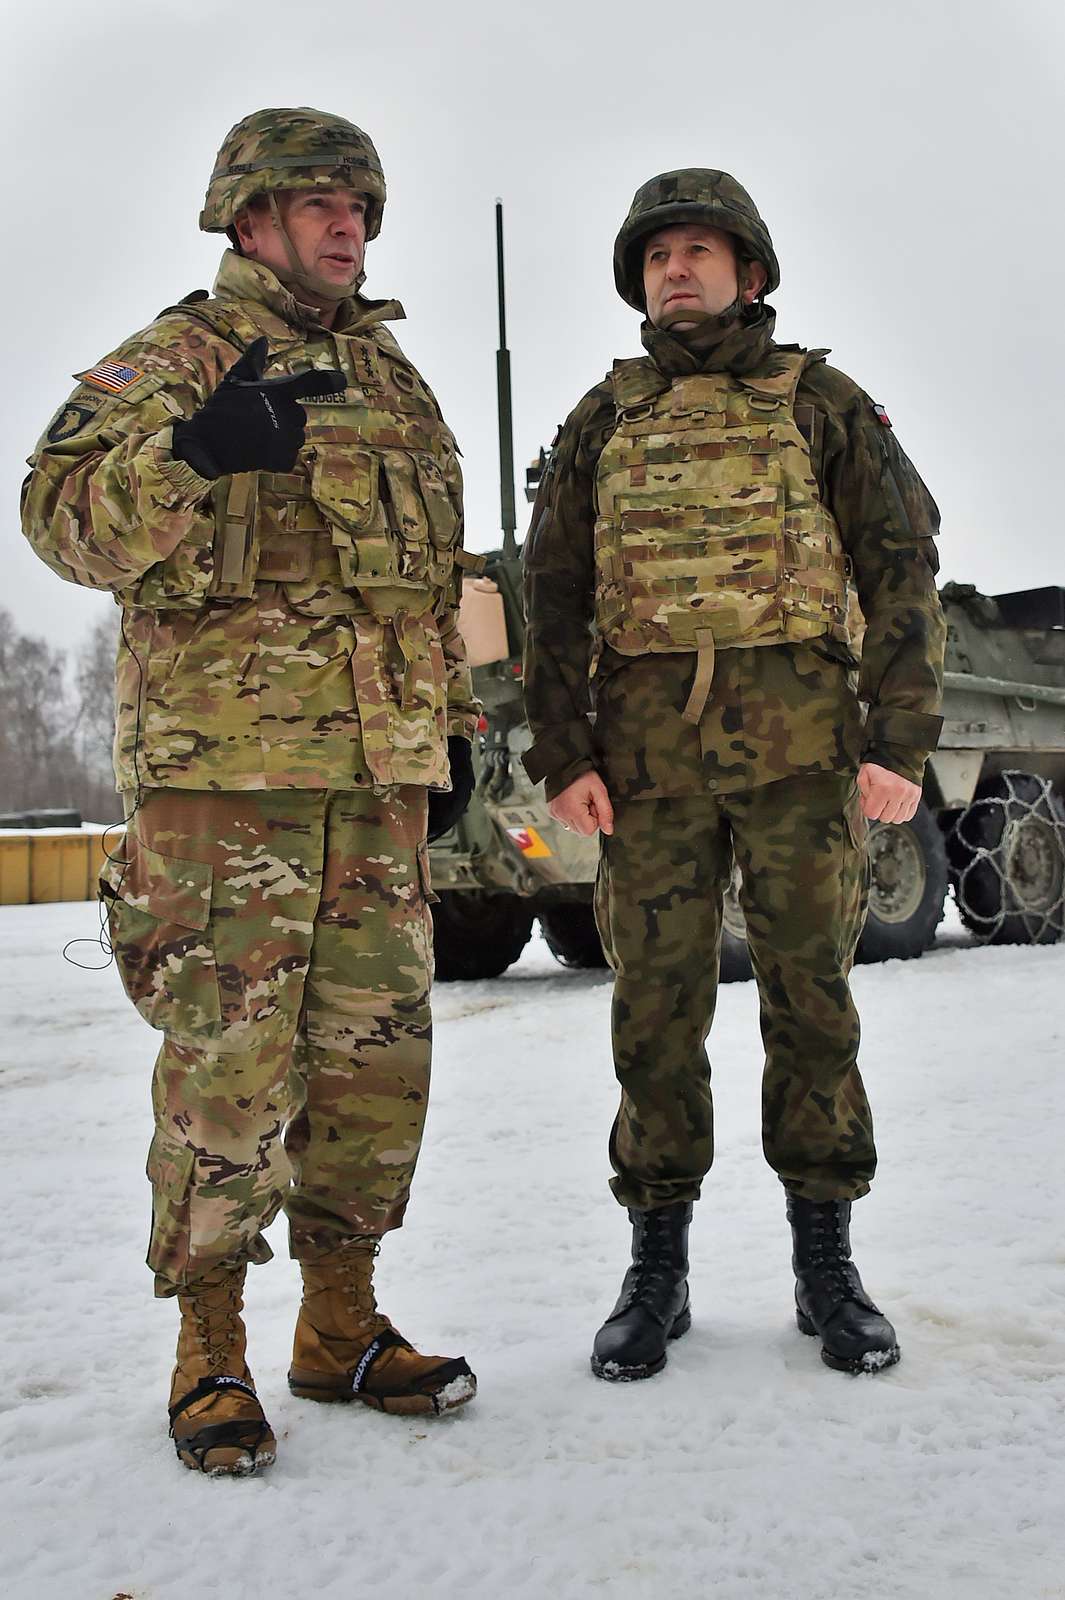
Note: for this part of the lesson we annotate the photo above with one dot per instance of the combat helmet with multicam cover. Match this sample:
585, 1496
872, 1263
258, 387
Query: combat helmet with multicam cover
295, 148
693, 194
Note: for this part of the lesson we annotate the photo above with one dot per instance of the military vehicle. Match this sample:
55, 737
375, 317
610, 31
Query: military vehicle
991, 824
507, 864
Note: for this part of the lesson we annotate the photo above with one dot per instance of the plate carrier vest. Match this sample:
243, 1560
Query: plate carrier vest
370, 523
710, 528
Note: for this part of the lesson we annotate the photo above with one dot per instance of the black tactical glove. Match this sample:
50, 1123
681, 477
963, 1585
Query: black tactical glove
251, 423
446, 809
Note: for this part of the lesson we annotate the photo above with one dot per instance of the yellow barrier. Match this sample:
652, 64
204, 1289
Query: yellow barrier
38, 867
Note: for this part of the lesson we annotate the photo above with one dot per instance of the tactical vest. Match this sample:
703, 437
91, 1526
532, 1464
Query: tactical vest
369, 520
710, 528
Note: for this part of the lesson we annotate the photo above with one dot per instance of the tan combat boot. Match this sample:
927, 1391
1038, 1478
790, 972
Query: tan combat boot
216, 1421
346, 1350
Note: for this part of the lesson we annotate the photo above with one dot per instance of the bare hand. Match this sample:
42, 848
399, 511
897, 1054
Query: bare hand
584, 806
886, 797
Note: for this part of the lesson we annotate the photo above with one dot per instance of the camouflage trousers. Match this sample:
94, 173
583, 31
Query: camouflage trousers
799, 844
282, 941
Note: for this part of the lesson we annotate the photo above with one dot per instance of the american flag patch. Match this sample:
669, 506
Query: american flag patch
112, 376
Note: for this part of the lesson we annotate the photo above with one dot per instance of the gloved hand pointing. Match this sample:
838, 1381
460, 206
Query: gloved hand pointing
251, 423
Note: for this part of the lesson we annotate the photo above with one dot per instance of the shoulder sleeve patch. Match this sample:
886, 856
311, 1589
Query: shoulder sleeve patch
111, 377
880, 414
71, 419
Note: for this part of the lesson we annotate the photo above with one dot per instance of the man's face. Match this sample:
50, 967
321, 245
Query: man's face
327, 227
692, 268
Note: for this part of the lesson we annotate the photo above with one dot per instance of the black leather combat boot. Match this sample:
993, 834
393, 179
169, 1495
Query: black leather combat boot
830, 1301
653, 1305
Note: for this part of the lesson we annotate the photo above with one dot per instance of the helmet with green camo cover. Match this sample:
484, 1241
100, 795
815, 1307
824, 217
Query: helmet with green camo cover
296, 148
693, 194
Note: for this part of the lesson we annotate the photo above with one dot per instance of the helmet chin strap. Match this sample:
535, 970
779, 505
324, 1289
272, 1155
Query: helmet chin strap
298, 276
700, 321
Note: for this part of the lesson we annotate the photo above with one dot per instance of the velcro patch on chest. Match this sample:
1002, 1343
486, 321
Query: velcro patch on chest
112, 377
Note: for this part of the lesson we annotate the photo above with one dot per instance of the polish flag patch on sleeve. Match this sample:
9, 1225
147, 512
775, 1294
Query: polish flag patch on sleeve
113, 377
880, 414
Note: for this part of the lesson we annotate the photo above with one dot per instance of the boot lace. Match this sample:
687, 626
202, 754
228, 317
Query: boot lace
215, 1312
356, 1263
829, 1255
653, 1268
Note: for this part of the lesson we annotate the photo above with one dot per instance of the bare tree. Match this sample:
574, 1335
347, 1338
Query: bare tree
34, 721
55, 736
94, 692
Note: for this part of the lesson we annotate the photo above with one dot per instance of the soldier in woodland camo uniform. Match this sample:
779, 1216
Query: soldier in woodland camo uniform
294, 709
707, 512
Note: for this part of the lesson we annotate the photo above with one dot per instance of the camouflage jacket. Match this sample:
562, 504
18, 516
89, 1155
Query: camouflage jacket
776, 710
292, 684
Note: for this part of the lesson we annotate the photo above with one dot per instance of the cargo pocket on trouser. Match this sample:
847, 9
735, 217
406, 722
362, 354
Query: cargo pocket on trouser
854, 878
205, 1212
158, 915
170, 1174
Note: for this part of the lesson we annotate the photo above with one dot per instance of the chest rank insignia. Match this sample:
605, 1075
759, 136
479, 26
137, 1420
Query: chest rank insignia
881, 415
113, 377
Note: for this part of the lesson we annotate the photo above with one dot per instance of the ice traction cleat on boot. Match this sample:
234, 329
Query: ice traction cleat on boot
345, 1349
234, 1445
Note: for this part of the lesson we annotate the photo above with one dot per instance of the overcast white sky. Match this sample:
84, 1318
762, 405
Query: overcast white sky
906, 157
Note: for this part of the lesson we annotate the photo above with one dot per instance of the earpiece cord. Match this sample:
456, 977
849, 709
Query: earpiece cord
103, 938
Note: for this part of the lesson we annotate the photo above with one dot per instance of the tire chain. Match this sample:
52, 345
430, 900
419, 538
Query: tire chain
1016, 806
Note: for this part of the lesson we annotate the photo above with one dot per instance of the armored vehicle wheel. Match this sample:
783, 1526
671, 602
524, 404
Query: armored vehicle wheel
1007, 857
478, 935
908, 878
735, 956
571, 935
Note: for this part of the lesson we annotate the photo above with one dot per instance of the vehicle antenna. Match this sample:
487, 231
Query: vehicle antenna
506, 420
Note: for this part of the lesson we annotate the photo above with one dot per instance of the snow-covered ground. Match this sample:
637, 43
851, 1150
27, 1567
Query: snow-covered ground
746, 1471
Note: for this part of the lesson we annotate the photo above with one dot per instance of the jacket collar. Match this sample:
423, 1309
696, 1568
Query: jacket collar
736, 347
241, 279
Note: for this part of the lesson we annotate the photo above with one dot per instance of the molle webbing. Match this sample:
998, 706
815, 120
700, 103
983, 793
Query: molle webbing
711, 531
369, 518
222, 317
236, 553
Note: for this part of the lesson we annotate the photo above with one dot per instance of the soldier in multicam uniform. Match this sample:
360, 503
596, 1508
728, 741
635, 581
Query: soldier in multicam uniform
703, 516
294, 708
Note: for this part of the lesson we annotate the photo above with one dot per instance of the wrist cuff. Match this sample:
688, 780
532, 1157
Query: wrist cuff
556, 751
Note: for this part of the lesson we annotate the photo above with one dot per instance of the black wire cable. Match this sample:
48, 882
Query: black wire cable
103, 938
